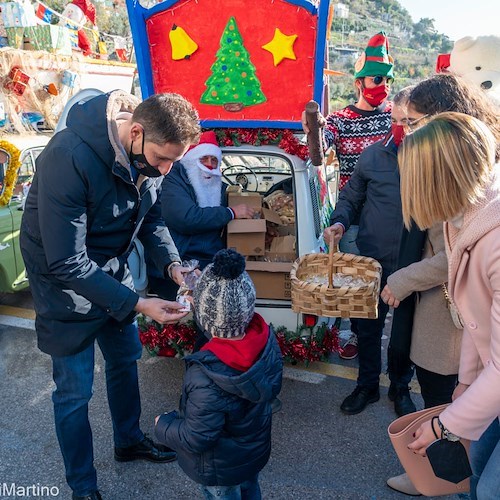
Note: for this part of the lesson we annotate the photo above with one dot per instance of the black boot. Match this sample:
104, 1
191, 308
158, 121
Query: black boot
359, 399
145, 450
403, 403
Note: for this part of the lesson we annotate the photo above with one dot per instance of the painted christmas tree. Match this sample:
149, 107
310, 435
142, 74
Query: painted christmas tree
233, 83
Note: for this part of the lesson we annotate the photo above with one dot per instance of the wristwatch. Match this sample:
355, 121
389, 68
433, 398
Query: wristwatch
446, 434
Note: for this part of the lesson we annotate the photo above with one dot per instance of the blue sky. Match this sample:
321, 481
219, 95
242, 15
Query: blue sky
458, 18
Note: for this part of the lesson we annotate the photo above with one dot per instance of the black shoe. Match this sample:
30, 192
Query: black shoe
403, 403
360, 397
95, 495
391, 393
145, 450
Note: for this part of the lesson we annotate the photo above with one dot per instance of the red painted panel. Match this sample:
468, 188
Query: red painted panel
287, 86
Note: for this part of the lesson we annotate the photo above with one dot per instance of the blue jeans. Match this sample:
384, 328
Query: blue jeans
248, 490
485, 464
74, 377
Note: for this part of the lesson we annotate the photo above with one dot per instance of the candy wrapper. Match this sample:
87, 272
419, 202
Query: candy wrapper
185, 291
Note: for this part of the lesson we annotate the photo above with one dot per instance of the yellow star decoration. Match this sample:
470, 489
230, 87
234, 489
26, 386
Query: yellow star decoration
281, 46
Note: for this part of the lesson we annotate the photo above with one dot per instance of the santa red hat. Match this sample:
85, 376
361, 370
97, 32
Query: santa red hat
208, 146
87, 8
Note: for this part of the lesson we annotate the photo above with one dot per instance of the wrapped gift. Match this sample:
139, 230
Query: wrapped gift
50, 37
68, 78
16, 81
15, 37
18, 14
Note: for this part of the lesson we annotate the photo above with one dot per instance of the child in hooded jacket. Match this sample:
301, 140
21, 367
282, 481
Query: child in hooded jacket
222, 431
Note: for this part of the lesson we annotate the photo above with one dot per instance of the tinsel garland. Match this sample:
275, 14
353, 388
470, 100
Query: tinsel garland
305, 345
176, 340
284, 139
12, 171
308, 344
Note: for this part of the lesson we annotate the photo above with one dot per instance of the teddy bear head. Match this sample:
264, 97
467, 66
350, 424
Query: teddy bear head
477, 59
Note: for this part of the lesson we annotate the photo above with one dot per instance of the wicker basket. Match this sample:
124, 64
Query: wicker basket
340, 302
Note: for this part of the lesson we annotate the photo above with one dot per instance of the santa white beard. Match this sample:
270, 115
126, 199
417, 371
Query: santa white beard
206, 187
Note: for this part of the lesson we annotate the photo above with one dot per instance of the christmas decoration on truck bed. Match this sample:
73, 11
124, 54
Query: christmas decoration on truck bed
241, 64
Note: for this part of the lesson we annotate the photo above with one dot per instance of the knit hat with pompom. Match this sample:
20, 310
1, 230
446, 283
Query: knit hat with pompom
224, 297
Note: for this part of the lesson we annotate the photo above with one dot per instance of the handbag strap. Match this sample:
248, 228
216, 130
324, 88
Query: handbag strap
432, 425
446, 293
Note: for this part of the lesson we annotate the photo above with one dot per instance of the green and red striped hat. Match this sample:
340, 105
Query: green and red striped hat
375, 60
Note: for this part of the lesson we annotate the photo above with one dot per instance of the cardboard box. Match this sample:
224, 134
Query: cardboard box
253, 200
283, 245
271, 279
247, 236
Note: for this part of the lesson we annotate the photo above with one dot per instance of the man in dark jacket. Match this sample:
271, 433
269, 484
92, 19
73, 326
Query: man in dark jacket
194, 207
373, 191
94, 191
222, 432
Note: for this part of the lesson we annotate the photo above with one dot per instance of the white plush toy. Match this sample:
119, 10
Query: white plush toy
478, 60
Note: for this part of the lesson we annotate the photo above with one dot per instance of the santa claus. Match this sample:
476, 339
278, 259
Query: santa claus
202, 165
74, 17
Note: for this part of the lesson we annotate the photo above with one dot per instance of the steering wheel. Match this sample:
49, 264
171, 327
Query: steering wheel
244, 167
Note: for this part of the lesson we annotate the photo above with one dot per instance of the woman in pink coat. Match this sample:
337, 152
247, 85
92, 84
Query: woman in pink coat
448, 172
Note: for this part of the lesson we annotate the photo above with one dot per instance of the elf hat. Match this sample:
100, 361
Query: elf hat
208, 146
224, 296
375, 60
87, 8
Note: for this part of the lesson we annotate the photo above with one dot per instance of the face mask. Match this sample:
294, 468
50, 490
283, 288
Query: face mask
398, 133
140, 162
375, 96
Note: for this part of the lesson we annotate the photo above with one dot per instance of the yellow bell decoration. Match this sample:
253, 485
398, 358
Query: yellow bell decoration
182, 44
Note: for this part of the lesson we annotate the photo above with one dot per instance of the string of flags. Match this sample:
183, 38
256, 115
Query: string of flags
47, 15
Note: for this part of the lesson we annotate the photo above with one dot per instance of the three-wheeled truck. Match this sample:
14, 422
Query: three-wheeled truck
250, 69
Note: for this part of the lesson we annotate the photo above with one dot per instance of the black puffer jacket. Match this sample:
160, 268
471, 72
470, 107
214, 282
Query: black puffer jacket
222, 433
80, 215
373, 191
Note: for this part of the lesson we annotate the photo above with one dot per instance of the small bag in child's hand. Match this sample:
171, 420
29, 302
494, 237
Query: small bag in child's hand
449, 460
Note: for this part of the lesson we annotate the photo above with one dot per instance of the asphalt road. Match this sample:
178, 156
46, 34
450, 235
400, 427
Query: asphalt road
318, 453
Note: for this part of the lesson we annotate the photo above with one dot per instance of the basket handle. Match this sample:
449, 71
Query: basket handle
331, 250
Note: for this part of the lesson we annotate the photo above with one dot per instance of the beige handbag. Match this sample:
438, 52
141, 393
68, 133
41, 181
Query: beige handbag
418, 468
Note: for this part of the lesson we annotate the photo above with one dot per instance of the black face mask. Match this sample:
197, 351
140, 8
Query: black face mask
141, 163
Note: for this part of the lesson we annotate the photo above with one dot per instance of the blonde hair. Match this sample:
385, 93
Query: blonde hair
444, 166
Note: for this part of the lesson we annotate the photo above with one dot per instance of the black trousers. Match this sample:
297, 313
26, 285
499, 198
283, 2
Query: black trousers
436, 389
370, 344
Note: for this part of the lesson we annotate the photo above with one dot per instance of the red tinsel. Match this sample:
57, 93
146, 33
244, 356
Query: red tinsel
284, 139
304, 345
167, 340
308, 344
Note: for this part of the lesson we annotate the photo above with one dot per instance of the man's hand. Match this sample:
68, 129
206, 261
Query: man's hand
388, 297
162, 311
333, 234
177, 273
305, 127
243, 211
